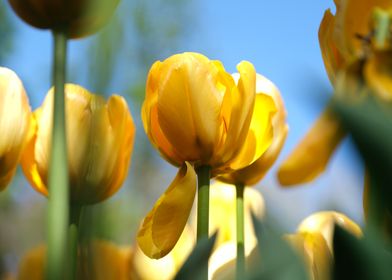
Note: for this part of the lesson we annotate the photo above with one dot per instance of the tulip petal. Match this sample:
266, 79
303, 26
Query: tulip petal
189, 106
150, 118
260, 132
312, 154
241, 103
332, 57
164, 224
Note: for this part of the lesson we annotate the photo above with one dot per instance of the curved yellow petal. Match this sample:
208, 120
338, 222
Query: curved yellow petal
163, 225
149, 114
324, 224
241, 104
189, 106
378, 71
315, 252
332, 57
15, 121
310, 157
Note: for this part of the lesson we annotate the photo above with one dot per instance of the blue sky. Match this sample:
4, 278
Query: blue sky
280, 39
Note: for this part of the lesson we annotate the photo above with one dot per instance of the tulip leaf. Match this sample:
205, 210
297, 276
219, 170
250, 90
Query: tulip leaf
361, 259
370, 124
198, 260
279, 260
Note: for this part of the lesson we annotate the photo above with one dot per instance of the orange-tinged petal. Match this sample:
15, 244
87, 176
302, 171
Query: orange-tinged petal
164, 224
332, 57
310, 157
189, 106
378, 71
15, 121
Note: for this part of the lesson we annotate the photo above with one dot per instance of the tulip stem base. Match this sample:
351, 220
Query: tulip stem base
58, 211
240, 264
203, 205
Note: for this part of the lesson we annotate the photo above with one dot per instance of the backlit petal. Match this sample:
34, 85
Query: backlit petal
310, 158
164, 224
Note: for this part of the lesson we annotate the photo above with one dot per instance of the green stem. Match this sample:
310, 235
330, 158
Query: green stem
203, 205
240, 265
75, 213
58, 168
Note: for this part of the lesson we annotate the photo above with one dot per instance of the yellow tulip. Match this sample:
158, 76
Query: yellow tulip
78, 18
15, 123
253, 173
314, 241
103, 260
342, 39
100, 139
196, 115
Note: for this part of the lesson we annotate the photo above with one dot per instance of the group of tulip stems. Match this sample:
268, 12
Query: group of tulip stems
63, 218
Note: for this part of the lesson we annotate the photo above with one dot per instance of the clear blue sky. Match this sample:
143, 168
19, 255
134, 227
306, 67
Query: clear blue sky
280, 39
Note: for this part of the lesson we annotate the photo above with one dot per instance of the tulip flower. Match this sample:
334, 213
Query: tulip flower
78, 18
314, 241
198, 117
351, 58
253, 173
100, 138
104, 260
15, 123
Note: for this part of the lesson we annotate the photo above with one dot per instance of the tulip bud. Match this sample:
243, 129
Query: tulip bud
78, 18
100, 138
15, 120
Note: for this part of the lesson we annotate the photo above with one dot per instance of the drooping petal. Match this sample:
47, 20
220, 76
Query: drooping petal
310, 158
164, 224
189, 106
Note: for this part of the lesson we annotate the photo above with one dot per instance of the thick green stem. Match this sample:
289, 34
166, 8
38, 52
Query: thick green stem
240, 266
75, 212
203, 205
58, 169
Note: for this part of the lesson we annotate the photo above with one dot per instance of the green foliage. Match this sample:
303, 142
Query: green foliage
198, 260
364, 259
278, 259
6, 32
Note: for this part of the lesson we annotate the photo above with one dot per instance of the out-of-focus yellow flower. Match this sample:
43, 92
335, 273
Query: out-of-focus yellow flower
78, 18
350, 58
253, 173
196, 114
144, 268
100, 139
222, 211
314, 241
103, 260
15, 123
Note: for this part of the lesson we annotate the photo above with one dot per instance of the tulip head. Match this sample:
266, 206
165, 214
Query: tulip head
314, 240
195, 111
78, 18
100, 139
268, 152
15, 123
